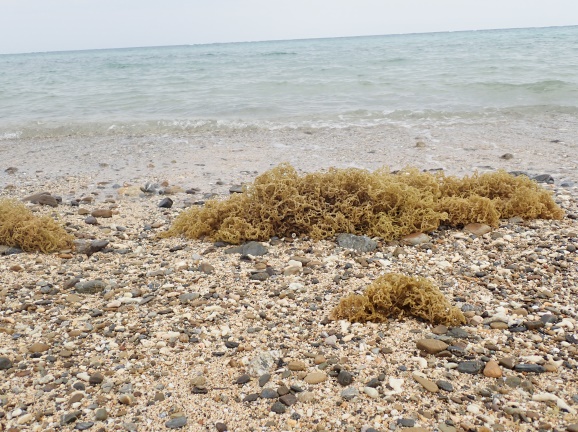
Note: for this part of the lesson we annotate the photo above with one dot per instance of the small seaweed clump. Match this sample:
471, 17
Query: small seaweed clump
281, 202
20, 228
395, 296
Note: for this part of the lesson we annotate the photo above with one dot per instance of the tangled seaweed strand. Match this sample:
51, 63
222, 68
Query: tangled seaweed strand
395, 296
20, 228
322, 204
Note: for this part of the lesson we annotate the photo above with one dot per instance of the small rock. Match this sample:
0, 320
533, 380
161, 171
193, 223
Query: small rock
315, 377
477, 229
529, 368
431, 346
176, 423
349, 393
166, 203
425, 383
355, 242
83, 425
101, 414
90, 287
296, 365
251, 248
101, 213
38, 347
5, 363
507, 156
472, 367
278, 408
243, 379
344, 378
371, 392
288, 399
415, 239
492, 369
221, 427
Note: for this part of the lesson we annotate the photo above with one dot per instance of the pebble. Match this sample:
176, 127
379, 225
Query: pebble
355, 242
5, 363
101, 213
38, 347
344, 378
176, 423
470, 367
221, 427
278, 408
534, 368
426, 383
100, 414
415, 239
371, 392
431, 346
83, 425
477, 229
349, 393
315, 377
492, 369
166, 203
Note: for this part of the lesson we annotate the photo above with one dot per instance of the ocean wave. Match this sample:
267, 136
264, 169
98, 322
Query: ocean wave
353, 118
543, 86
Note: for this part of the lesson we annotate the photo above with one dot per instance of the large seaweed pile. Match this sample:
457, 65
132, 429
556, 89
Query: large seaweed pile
281, 202
395, 296
20, 228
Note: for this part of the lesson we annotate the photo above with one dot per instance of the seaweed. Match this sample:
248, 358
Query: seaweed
382, 204
20, 228
395, 295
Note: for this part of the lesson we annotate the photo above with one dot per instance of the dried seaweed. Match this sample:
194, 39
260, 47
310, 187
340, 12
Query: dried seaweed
396, 296
322, 204
20, 228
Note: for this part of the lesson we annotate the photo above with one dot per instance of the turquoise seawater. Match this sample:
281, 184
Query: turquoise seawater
445, 77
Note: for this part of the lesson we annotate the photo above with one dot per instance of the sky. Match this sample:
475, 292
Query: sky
59, 25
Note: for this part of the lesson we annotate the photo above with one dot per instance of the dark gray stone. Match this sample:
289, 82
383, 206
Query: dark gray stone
176, 423
166, 203
83, 425
355, 242
279, 408
251, 397
406, 422
534, 368
264, 379
288, 399
243, 379
344, 378
458, 333
472, 367
5, 363
250, 248
269, 393
221, 427
444, 385
90, 287
544, 178
70, 417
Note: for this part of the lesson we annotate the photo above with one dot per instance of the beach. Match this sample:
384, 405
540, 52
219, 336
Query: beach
131, 331
149, 334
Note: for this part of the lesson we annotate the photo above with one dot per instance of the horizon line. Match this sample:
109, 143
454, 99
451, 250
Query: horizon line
283, 40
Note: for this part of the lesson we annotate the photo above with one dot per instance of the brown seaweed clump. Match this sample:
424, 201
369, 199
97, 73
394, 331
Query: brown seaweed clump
395, 296
320, 205
20, 228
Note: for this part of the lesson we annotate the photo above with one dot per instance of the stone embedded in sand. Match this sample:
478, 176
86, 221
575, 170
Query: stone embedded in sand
431, 346
43, 198
415, 239
263, 362
425, 383
296, 365
38, 347
101, 213
477, 229
355, 242
492, 369
315, 378
5, 363
166, 203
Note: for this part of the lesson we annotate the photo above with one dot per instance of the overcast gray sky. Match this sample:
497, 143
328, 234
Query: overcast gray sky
54, 25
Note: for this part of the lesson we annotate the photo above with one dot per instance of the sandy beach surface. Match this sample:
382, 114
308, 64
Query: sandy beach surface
149, 335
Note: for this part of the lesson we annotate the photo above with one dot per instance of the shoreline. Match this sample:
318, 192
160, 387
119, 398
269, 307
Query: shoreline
171, 327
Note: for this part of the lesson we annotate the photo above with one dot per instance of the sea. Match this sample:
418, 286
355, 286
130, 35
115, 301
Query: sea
431, 78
